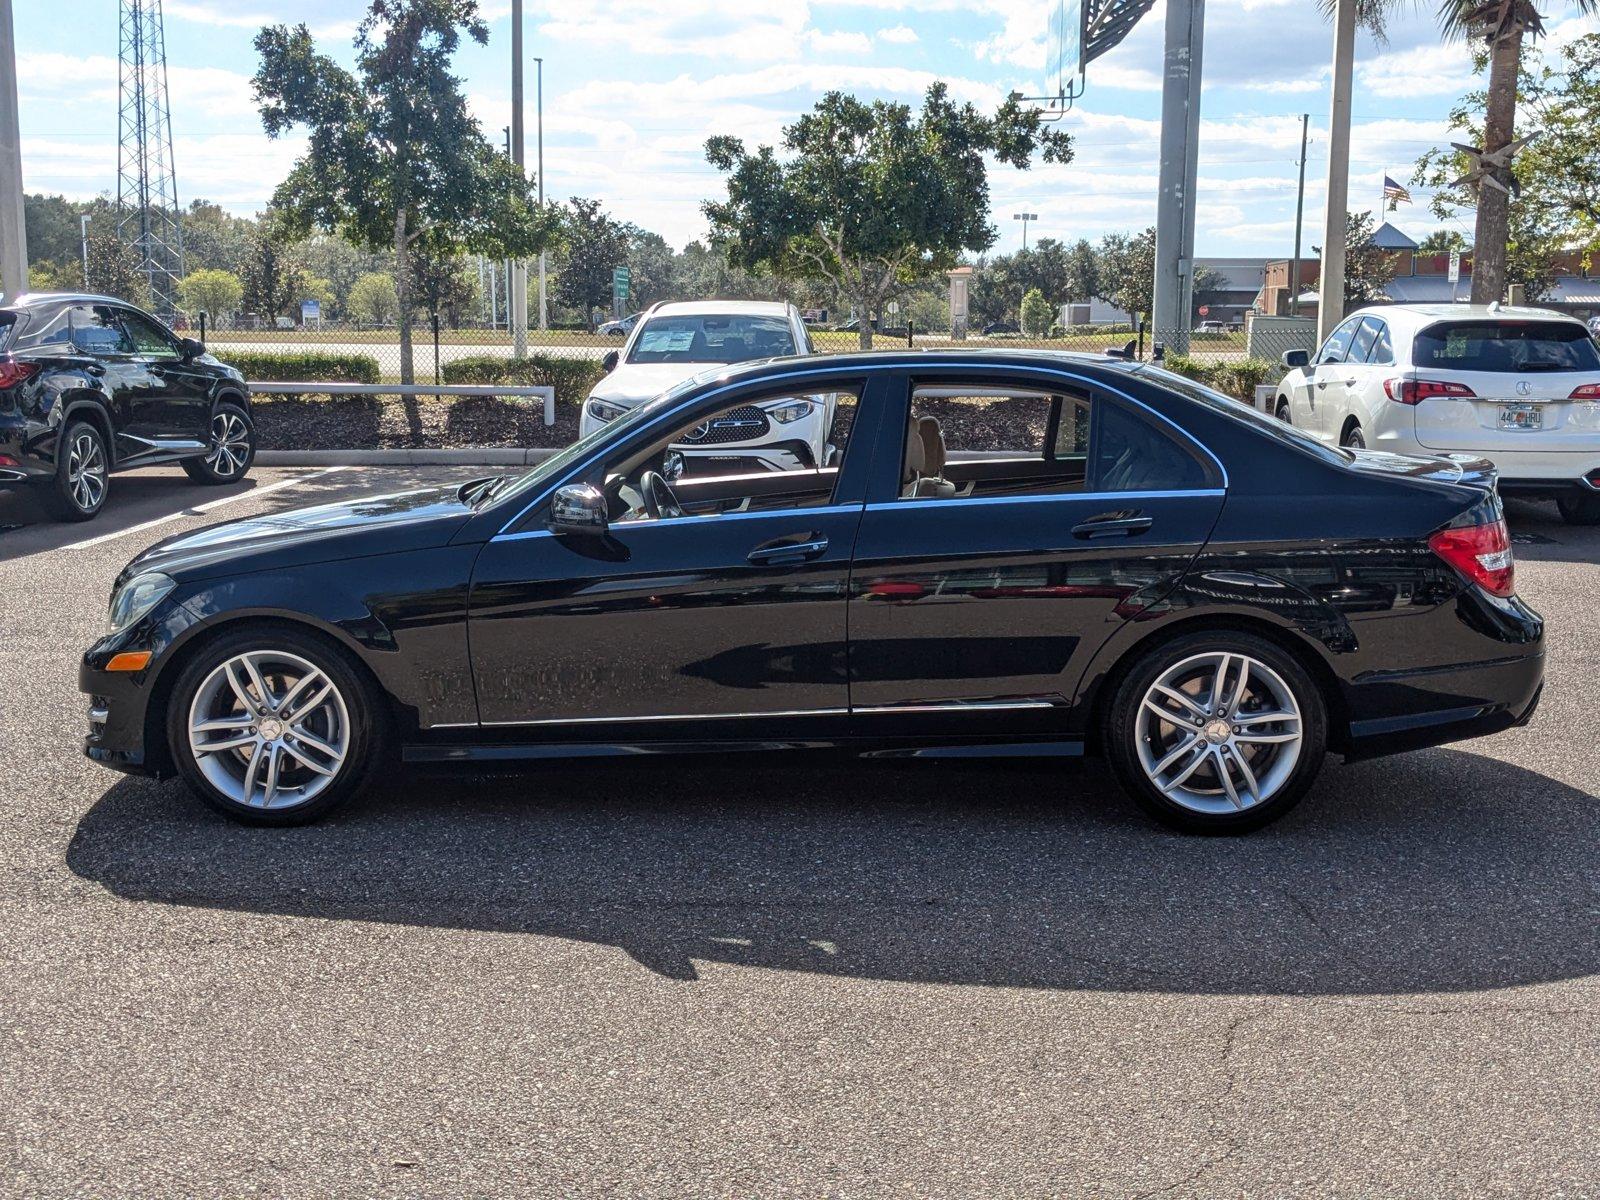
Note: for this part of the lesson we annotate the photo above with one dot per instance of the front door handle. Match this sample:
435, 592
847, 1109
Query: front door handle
781, 552
1117, 524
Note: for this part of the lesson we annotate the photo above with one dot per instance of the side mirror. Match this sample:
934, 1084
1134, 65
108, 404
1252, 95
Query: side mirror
1295, 359
579, 509
190, 348
609, 363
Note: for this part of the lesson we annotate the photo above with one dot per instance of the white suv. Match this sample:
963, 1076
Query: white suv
675, 340
1518, 386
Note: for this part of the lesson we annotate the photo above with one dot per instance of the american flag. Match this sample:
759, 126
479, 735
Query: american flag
1394, 193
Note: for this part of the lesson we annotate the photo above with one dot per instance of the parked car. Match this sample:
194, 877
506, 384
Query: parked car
676, 340
1141, 580
620, 328
90, 385
994, 327
1519, 386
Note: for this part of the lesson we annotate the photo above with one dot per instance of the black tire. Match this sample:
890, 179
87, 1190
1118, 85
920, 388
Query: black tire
233, 448
1580, 508
1353, 439
83, 467
1125, 734
1283, 411
360, 726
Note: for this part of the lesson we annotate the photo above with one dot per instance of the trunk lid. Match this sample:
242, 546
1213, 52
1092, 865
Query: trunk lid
1462, 470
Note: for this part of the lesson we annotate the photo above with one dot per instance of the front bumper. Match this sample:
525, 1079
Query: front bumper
126, 731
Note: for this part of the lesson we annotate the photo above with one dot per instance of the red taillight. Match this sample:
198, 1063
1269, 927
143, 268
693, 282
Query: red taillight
1415, 391
1480, 552
13, 373
1589, 391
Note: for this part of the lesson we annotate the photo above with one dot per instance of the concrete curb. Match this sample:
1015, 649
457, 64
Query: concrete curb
486, 456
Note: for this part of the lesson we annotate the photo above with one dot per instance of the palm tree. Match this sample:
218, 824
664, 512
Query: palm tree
1503, 25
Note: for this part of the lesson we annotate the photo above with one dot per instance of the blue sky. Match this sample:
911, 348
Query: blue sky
632, 90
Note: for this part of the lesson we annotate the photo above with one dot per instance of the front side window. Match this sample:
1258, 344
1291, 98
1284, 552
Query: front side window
146, 338
711, 339
1338, 343
94, 329
1507, 346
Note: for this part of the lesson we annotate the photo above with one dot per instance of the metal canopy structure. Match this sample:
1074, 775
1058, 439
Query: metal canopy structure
147, 184
1080, 31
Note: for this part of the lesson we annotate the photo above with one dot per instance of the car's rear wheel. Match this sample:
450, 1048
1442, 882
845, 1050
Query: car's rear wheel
1580, 508
1217, 732
1283, 411
83, 464
273, 727
233, 447
1353, 438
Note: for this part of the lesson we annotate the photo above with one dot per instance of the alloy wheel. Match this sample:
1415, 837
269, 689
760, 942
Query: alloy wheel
1219, 732
86, 471
269, 729
230, 444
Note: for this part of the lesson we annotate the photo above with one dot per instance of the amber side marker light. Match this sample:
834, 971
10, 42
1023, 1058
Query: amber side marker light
129, 660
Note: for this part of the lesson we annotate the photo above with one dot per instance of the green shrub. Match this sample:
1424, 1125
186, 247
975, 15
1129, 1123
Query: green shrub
1237, 378
1037, 313
571, 377
297, 365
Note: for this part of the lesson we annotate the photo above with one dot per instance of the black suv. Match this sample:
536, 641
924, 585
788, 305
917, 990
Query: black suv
91, 385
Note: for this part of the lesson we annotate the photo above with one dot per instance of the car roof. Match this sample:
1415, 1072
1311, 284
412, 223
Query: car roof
913, 359
720, 308
41, 299
1426, 314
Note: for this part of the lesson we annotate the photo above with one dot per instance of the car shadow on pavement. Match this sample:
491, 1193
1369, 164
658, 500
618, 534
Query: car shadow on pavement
1439, 871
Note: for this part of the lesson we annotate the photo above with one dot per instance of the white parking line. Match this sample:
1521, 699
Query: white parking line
204, 508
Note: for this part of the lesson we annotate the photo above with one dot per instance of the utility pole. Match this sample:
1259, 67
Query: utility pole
1180, 165
519, 269
83, 241
544, 307
1299, 221
1330, 287
1024, 217
13, 226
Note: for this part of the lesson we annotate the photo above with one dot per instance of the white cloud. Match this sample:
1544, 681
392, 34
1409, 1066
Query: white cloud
839, 42
898, 35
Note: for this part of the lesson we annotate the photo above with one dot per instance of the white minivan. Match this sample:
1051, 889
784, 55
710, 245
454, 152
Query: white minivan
1518, 386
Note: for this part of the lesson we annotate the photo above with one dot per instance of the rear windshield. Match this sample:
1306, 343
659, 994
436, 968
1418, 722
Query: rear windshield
711, 339
1507, 346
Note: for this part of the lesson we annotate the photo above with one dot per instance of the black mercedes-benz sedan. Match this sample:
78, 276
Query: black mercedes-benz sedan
90, 385
1015, 554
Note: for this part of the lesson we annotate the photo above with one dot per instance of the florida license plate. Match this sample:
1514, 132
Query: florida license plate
1521, 416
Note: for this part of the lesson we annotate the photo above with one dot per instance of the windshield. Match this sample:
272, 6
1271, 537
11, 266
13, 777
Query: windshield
1241, 411
1507, 346
711, 339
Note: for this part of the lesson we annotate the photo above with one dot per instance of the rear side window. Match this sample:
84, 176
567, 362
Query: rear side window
1132, 455
1361, 344
1507, 346
1382, 347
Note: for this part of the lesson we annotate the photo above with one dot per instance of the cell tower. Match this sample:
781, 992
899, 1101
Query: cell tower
147, 183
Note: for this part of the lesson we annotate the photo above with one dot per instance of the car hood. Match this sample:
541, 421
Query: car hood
350, 529
634, 383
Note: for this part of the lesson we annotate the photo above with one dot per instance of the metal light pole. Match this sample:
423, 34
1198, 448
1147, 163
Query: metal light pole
83, 239
1330, 287
519, 269
544, 309
1299, 220
1173, 294
1024, 217
13, 226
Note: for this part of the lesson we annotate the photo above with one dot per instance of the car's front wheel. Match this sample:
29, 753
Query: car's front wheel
1217, 732
273, 727
1580, 508
233, 448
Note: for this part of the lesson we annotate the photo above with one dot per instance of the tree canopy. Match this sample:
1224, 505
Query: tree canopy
871, 195
595, 245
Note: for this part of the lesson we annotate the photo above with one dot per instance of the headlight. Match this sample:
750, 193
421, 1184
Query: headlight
604, 410
134, 599
790, 411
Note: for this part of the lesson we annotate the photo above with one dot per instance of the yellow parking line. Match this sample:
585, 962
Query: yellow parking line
203, 508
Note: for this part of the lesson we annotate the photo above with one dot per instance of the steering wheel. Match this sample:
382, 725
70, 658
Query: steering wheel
659, 502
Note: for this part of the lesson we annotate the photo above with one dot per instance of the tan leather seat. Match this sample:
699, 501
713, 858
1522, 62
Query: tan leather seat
923, 472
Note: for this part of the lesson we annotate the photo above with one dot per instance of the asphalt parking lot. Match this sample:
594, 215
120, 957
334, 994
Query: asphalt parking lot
763, 977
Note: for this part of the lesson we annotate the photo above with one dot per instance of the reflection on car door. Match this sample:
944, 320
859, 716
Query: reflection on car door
1325, 389
986, 590
1356, 374
736, 617
94, 331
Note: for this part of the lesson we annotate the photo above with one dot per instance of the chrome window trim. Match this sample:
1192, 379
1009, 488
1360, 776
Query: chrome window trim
955, 706
932, 502
838, 369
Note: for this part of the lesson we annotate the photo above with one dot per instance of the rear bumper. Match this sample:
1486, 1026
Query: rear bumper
1406, 710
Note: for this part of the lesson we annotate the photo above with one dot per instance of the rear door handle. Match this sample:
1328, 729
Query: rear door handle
1112, 525
780, 552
